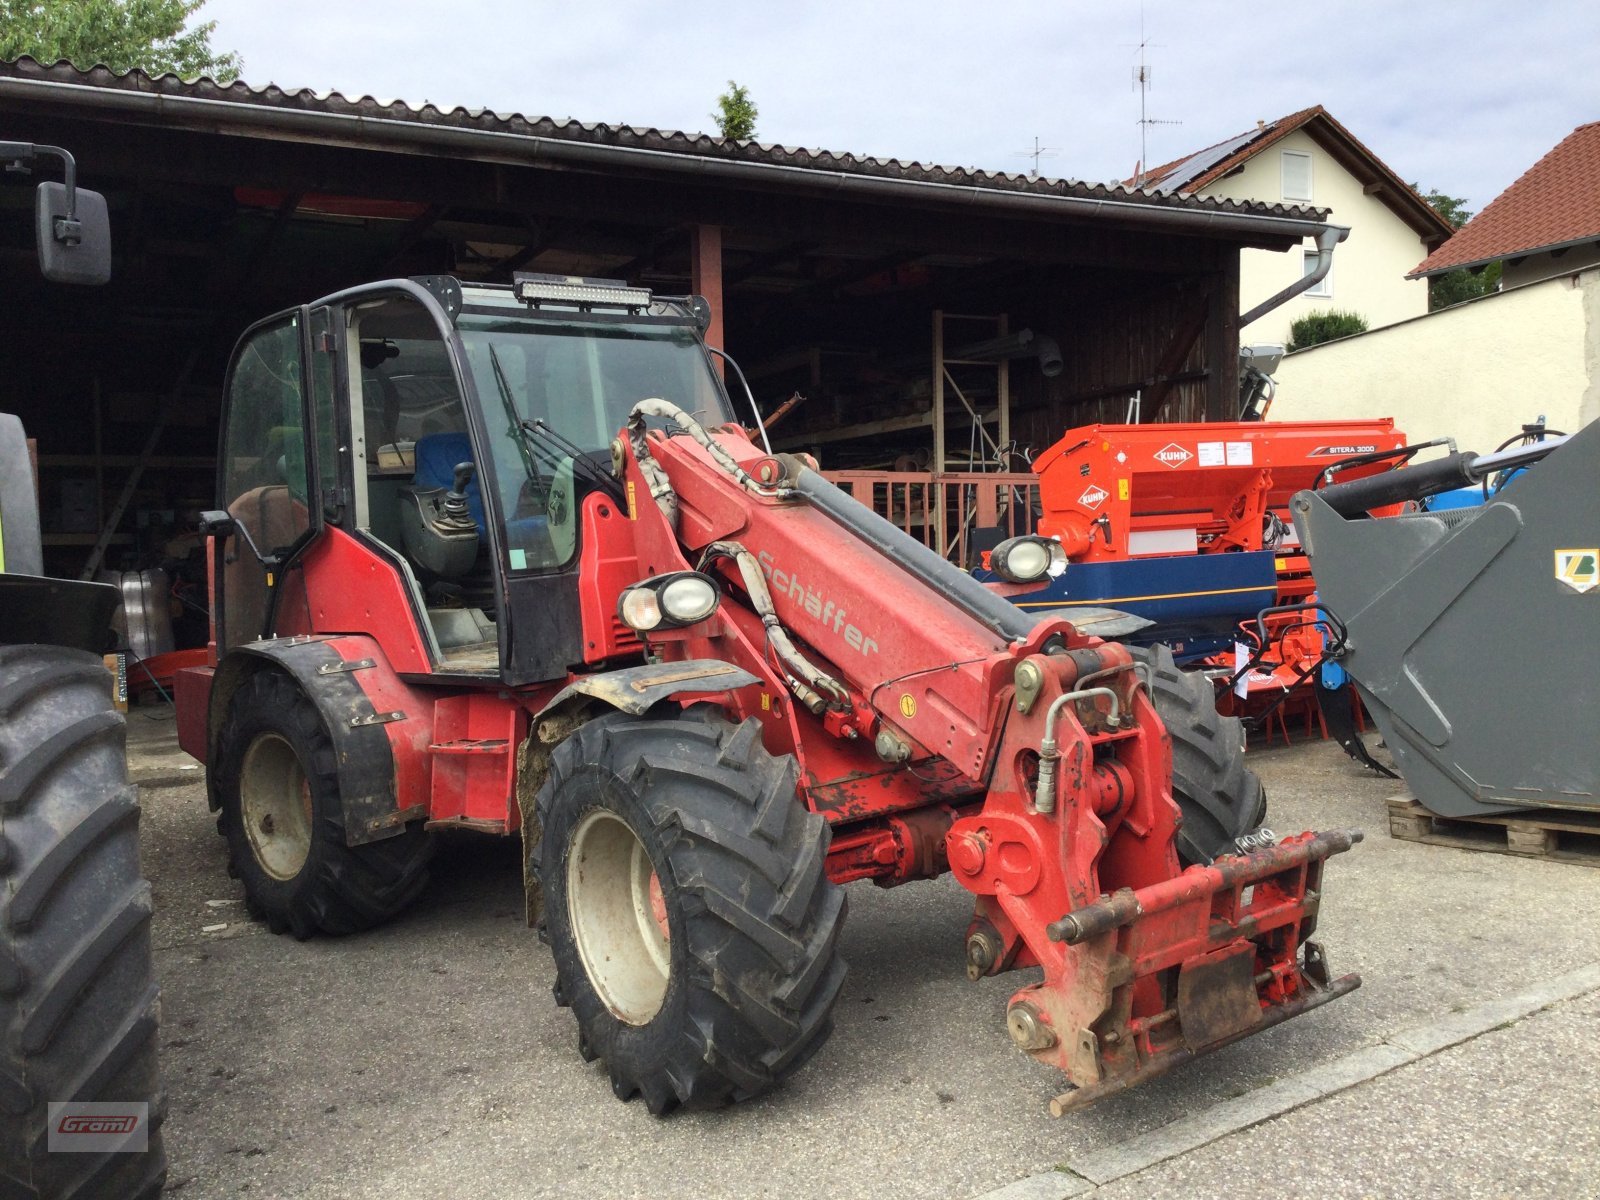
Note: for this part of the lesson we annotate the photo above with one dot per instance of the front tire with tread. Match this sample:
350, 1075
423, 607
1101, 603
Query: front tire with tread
753, 920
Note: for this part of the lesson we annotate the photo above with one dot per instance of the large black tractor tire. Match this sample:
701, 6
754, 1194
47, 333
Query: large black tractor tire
284, 821
78, 998
1220, 797
693, 925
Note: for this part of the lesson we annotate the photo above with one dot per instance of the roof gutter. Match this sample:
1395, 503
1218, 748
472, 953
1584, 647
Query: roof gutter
361, 131
1329, 237
1474, 264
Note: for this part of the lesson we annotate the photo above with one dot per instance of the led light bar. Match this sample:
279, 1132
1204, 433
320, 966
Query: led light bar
534, 288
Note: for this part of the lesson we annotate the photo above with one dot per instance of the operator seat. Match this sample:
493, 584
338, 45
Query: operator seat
436, 457
449, 546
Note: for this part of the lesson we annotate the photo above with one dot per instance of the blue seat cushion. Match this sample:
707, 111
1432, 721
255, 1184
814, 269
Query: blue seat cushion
435, 458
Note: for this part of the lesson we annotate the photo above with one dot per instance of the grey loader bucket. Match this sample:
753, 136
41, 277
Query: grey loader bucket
1474, 634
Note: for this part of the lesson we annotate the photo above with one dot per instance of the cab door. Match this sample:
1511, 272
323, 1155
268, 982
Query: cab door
269, 481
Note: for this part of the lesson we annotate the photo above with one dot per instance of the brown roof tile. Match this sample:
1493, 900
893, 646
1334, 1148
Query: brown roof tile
1208, 168
1555, 203
1184, 176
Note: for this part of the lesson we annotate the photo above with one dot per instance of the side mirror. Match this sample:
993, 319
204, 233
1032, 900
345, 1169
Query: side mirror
216, 523
73, 231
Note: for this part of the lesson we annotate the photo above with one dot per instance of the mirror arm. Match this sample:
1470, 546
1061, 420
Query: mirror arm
220, 525
19, 156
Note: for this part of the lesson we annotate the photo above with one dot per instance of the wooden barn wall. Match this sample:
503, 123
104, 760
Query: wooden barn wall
1114, 332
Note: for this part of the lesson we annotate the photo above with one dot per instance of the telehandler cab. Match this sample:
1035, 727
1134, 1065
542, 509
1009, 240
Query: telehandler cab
449, 594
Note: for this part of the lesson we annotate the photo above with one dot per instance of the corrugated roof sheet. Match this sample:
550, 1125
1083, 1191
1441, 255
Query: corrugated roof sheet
671, 141
1555, 203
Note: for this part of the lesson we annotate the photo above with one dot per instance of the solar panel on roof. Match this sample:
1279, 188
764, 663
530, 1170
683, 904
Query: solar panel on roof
1197, 164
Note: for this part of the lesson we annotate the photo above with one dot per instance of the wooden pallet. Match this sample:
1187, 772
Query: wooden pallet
1547, 833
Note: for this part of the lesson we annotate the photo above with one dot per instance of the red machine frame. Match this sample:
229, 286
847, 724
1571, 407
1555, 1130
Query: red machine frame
1103, 488
1145, 963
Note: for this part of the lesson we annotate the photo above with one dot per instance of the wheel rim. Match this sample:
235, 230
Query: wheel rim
275, 806
618, 917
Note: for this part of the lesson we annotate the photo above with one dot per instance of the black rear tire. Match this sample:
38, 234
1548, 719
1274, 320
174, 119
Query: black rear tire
274, 739
749, 969
78, 998
1221, 798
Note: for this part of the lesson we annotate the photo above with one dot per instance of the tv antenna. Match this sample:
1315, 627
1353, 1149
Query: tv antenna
1142, 76
1036, 154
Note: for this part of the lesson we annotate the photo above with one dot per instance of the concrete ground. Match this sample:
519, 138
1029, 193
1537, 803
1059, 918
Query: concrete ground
427, 1058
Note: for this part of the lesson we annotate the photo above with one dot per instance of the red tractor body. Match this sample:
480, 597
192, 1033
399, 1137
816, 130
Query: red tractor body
929, 725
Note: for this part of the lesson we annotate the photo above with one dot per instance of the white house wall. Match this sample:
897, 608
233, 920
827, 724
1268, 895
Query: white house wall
1475, 372
1368, 267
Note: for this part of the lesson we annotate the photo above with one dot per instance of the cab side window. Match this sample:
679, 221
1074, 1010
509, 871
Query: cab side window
265, 480
265, 483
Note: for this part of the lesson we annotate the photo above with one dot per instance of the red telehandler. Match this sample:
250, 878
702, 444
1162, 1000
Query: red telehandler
708, 690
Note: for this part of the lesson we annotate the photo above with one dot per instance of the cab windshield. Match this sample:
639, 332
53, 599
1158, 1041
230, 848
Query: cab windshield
582, 379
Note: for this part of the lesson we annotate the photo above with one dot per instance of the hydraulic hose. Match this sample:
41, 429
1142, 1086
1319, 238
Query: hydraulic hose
815, 687
966, 593
668, 411
1419, 480
1391, 487
816, 680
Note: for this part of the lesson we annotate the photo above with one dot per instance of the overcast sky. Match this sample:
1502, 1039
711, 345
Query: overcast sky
1462, 97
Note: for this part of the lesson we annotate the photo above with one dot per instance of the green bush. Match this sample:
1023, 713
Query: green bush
1319, 327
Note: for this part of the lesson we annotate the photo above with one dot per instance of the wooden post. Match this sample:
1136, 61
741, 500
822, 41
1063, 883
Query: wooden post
1222, 343
705, 257
1005, 396
938, 393
938, 422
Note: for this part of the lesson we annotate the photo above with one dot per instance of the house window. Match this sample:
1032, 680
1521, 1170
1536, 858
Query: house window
1296, 175
1323, 286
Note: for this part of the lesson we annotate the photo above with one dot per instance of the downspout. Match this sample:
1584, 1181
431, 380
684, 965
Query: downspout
1329, 237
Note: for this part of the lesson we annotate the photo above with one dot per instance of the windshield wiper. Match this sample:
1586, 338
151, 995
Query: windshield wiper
524, 447
539, 426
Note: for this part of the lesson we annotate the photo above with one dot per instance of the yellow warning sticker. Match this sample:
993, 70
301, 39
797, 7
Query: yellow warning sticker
1579, 569
633, 513
1123, 489
908, 706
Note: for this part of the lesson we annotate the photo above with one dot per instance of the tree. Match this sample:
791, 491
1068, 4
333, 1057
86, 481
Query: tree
1452, 208
153, 35
737, 113
1315, 328
1453, 287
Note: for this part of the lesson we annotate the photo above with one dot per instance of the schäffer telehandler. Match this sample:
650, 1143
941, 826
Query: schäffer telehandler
708, 690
